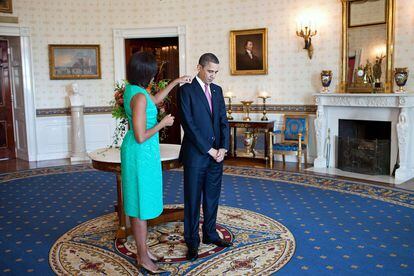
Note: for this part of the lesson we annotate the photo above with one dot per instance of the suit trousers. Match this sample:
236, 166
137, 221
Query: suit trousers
201, 183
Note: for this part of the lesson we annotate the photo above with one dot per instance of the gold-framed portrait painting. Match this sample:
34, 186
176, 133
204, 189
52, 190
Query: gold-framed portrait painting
6, 6
248, 52
74, 62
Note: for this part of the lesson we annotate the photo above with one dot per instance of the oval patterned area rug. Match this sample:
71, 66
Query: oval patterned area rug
261, 246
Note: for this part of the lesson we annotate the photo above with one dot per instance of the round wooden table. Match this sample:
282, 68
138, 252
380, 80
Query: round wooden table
109, 160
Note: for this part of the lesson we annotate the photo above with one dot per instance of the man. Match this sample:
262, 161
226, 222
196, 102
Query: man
248, 60
205, 142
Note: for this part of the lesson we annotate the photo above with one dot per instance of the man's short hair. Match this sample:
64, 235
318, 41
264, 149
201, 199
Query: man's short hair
206, 58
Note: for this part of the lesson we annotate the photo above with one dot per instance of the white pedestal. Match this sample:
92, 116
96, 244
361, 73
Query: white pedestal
78, 151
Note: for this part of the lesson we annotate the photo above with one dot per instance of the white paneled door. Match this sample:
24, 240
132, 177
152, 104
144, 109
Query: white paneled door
7, 149
19, 115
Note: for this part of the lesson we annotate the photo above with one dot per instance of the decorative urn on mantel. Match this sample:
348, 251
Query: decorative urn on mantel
326, 79
398, 109
401, 77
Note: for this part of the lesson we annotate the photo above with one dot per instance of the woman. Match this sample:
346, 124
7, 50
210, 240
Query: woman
140, 153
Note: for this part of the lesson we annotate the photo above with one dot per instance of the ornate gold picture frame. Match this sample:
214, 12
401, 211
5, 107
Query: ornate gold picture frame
248, 52
74, 62
6, 6
349, 71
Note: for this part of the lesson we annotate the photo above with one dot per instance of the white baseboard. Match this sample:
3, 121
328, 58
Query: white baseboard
52, 156
293, 158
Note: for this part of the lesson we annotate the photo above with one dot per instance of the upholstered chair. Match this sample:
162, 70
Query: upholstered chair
293, 139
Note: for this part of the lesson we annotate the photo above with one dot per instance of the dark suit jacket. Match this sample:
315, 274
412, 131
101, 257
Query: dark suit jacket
202, 130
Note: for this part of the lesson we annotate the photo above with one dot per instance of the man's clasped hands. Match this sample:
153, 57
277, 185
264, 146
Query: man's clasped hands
218, 155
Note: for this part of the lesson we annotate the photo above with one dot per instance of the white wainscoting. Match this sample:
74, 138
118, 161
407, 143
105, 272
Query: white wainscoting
54, 134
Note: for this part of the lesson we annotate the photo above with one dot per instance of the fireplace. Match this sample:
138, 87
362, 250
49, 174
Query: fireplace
395, 108
364, 146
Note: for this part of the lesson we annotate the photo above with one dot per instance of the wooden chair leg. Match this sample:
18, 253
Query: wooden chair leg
283, 158
306, 158
299, 151
270, 159
270, 150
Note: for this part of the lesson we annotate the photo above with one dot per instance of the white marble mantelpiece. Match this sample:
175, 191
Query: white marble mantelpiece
395, 108
366, 100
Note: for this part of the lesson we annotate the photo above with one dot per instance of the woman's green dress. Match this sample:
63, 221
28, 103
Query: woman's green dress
141, 164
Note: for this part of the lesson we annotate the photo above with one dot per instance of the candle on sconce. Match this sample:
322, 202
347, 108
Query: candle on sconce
229, 94
312, 25
380, 52
262, 91
263, 94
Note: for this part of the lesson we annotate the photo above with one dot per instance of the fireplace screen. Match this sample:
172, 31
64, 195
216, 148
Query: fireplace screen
364, 146
364, 156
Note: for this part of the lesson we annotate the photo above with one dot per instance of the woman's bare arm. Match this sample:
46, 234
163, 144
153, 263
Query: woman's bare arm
160, 96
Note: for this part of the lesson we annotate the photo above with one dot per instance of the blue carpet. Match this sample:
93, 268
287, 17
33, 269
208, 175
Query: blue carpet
339, 226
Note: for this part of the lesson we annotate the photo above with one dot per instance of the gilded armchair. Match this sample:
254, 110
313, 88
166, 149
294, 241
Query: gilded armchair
293, 139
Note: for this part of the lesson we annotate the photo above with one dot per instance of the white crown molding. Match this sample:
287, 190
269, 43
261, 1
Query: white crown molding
150, 32
119, 36
9, 29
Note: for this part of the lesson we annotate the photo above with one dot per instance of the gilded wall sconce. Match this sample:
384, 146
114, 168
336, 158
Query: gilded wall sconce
306, 32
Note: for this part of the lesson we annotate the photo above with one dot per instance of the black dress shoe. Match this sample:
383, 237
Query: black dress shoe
192, 254
220, 243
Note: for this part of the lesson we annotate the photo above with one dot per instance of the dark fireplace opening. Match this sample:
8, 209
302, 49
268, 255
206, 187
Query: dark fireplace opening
364, 146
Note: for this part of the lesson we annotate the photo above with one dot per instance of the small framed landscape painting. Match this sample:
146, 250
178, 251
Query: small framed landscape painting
74, 62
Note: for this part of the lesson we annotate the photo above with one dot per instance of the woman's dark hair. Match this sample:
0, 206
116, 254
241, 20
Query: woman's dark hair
142, 67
